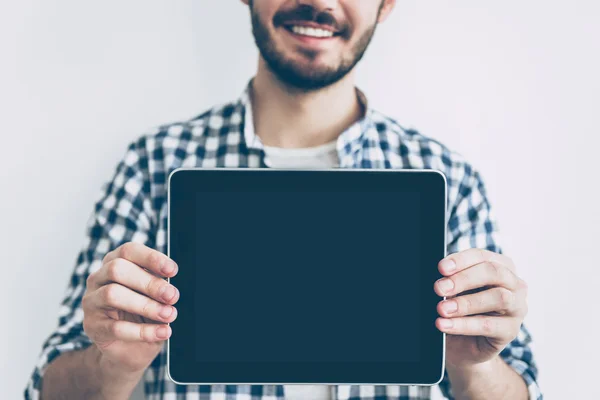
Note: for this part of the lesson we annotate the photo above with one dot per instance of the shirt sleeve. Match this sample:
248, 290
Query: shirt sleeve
472, 224
122, 214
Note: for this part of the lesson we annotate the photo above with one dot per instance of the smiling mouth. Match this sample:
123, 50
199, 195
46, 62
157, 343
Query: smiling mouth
311, 31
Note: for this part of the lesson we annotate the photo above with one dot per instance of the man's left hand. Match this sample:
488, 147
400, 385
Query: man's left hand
485, 305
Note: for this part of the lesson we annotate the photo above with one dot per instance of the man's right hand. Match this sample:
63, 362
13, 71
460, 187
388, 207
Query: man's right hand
127, 305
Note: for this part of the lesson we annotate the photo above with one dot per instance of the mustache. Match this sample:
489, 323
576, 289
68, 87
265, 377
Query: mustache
309, 14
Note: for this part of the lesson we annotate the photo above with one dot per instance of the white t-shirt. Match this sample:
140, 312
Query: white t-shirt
323, 156
319, 157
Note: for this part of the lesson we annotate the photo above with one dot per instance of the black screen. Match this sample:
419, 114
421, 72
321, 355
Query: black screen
280, 273
306, 276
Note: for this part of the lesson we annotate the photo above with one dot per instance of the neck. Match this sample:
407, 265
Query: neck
287, 117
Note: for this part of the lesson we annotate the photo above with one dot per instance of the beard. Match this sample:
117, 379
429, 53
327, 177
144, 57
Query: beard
305, 77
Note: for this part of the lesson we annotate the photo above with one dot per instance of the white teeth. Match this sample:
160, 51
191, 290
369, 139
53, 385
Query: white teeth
314, 32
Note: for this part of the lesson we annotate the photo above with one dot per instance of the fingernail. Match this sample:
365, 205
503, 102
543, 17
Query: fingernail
448, 265
445, 285
167, 292
162, 332
168, 267
166, 312
446, 323
450, 307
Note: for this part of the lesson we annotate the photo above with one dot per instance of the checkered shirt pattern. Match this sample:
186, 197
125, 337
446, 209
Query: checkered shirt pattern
132, 207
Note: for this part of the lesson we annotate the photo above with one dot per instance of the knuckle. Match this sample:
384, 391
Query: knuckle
105, 257
506, 298
460, 324
487, 325
466, 304
89, 281
497, 271
523, 285
85, 302
482, 301
125, 250
114, 329
153, 286
110, 294
482, 253
147, 308
154, 258
113, 270
146, 334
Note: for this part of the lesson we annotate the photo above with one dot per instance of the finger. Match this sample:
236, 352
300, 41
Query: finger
462, 260
478, 276
117, 297
130, 275
499, 328
144, 257
109, 329
498, 300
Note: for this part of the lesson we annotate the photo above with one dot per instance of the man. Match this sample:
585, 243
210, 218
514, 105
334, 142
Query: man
300, 110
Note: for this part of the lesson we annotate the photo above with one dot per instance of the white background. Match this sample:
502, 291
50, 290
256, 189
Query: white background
512, 85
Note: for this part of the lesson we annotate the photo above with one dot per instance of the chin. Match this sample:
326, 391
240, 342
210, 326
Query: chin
312, 63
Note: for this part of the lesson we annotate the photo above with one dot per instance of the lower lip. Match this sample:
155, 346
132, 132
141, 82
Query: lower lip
310, 39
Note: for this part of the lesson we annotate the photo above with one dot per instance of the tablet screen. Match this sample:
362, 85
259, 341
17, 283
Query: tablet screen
285, 275
282, 272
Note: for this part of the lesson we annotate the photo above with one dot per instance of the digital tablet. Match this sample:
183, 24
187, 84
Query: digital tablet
306, 276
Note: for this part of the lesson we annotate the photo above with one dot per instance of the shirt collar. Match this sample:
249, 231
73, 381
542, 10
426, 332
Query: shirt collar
349, 142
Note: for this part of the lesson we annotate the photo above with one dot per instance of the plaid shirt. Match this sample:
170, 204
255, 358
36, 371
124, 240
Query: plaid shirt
133, 207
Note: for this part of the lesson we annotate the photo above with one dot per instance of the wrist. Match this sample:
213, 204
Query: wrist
114, 381
469, 381
473, 369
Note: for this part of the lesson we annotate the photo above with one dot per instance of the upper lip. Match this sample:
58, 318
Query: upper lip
310, 24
